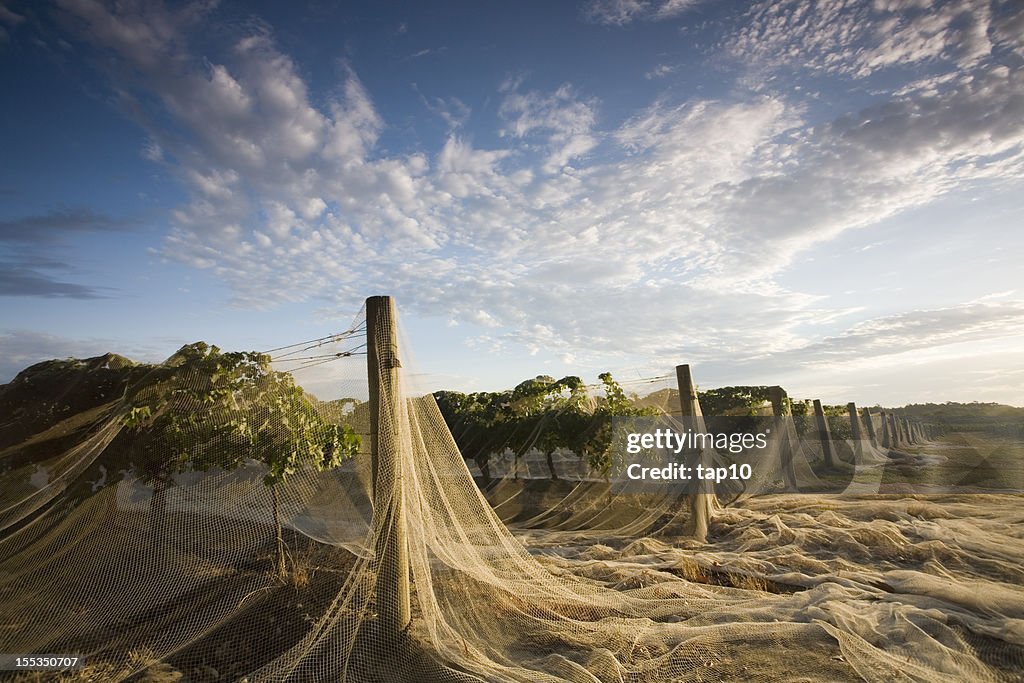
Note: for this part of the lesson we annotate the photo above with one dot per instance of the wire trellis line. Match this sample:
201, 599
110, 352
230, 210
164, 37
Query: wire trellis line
358, 330
339, 356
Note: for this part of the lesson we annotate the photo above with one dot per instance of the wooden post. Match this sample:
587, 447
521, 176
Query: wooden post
392, 548
823, 434
869, 423
700, 500
780, 406
894, 431
855, 433
886, 436
689, 404
784, 431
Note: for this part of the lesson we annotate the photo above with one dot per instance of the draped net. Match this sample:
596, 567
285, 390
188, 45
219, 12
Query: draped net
163, 572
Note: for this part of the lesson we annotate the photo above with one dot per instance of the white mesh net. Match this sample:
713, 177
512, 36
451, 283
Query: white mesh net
206, 520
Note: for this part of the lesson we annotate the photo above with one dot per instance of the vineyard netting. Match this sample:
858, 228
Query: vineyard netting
206, 519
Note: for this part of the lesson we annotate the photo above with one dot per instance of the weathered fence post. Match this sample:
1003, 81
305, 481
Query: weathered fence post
869, 423
784, 430
392, 548
894, 431
823, 434
886, 434
855, 433
700, 498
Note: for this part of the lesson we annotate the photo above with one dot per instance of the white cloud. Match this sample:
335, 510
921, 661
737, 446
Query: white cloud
858, 38
621, 12
662, 234
453, 111
215, 184
313, 208
427, 51
152, 151
355, 124
562, 118
660, 71
707, 193
888, 340
561, 113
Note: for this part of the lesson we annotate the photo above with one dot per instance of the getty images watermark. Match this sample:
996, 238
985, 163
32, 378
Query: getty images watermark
687, 452
669, 441
756, 454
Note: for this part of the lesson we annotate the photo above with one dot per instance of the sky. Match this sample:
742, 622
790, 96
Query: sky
822, 195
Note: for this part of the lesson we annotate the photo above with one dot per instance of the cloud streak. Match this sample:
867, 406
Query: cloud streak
880, 338
18, 280
58, 225
28, 248
622, 12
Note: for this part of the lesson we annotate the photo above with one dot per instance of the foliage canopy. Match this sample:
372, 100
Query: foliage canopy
206, 408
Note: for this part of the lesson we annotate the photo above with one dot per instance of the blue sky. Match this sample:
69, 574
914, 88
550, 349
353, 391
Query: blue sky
819, 195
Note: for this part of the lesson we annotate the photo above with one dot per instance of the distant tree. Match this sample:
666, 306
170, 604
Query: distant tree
542, 413
205, 409
478, 424
546, 411
733, 401
803, 415
733, 409
593, 435
838, 422
284, 431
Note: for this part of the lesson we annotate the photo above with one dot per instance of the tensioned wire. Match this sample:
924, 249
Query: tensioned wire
313, 361
316, 343
356, 328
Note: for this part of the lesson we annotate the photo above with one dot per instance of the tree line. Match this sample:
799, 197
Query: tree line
540, 413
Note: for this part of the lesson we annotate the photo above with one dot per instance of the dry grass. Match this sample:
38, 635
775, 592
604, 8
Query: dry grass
302, 564
142, 657
748, 582
204, 568
298, 577
691, 570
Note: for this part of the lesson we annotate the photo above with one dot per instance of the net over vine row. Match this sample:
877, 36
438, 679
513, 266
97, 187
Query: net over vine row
209, 517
